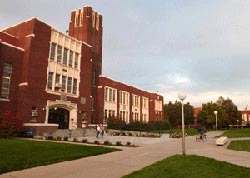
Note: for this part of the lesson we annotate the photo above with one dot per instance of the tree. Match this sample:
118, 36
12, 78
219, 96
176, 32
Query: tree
207, 117
173, 113
230, 108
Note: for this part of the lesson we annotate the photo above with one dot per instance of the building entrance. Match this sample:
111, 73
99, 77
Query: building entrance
59, 116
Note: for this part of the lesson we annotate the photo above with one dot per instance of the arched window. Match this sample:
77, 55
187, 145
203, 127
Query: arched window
7, 70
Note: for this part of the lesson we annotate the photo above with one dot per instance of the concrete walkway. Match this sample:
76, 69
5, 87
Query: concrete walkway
117, 164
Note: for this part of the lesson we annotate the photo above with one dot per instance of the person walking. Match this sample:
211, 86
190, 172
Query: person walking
98, 130
102, 131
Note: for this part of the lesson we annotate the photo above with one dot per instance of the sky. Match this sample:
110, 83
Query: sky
197, 47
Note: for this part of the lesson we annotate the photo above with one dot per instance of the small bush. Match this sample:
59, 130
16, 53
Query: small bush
10, 125
128, 143
59, 138
84, 140
75, 140
50, 137
107, 143
118, 143
65, 138
97, 142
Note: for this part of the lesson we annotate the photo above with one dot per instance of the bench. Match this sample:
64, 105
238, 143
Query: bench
221, 141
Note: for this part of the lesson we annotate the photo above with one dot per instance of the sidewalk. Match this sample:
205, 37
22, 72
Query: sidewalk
117, 164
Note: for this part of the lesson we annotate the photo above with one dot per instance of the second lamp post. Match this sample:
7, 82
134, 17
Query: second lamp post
182, 97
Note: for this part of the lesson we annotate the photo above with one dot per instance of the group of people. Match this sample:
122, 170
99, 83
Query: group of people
100, 131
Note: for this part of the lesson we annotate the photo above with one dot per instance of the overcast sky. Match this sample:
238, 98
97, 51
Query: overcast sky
200, 47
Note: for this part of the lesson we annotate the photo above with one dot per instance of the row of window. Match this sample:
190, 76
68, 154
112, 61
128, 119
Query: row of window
135, 116
108, 113
136, 100
63, 55
110, 96
7, 71
124, 97
62, 83
124, 115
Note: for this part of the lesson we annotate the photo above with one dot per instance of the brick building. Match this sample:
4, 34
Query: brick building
54, 80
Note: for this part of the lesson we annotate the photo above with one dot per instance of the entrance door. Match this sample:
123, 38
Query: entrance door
59, 116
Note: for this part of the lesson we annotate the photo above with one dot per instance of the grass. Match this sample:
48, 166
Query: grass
18, 154
236, 133
190, 131
191, 167
240, 145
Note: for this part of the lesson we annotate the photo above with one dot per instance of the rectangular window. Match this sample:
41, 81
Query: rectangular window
144, 102
120, 97
7, 70
76, 60
57, 83
59, 53
120, 115
50, 79
123, 97
135, 100
110, 94
75, 86
52, 51
113, 96
69, 84
105, 115
65, 55
106, 94
63, 83
70, 58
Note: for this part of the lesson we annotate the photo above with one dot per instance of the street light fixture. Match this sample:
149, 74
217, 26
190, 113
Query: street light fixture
216, 112
182, 97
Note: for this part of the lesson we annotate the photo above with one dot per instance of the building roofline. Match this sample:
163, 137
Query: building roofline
52, 27
130, 85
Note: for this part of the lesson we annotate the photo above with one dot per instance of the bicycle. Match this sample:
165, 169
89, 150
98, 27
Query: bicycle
202, 137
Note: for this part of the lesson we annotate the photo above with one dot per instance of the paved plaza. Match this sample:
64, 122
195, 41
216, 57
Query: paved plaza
117, 164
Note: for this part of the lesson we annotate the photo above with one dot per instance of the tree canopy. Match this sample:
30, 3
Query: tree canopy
173, 113
207, 117
230, 109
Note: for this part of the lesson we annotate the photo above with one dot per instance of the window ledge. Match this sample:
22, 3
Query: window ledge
2, 99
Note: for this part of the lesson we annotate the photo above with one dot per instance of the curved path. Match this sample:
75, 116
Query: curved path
117, 164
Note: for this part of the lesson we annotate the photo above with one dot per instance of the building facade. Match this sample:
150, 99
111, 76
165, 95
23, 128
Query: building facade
53, 80
245, 116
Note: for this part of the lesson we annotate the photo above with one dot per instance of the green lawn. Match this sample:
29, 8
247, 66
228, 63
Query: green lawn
189, 132
18, 154
240, 145
236, 133
191, 167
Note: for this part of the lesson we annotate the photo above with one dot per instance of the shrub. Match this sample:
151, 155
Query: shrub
65, 138
10, 125
59, 138
84, 140
50, 137
118, 143
107, 143
75, 140
97, 142
128, 143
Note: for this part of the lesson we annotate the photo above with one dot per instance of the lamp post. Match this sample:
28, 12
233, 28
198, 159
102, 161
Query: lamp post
182, 97
215, 112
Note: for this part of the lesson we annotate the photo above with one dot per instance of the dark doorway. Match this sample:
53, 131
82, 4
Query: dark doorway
59, 116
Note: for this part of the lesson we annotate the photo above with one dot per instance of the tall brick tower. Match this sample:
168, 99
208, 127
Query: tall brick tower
86, 26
